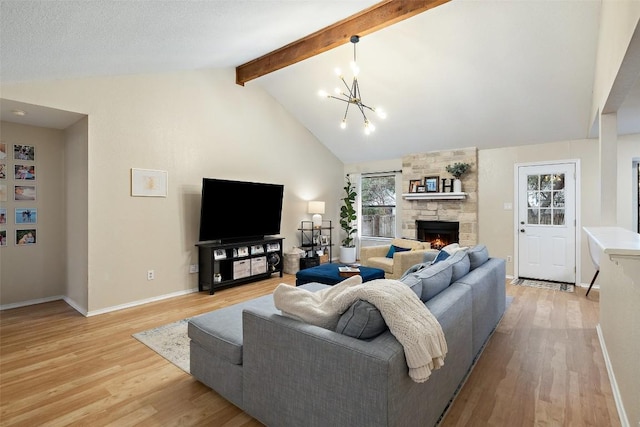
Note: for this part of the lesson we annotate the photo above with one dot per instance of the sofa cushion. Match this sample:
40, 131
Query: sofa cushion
381, 262
393, 249
478, 255
362, 320
414, 282
434, 279
460, 263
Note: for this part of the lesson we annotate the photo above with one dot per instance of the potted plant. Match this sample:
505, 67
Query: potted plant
457, 170
347, 223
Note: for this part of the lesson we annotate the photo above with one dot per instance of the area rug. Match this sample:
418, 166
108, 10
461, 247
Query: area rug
554, 286
169, 341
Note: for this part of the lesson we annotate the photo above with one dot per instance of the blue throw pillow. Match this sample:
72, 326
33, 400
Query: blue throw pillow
393, 249
442, 255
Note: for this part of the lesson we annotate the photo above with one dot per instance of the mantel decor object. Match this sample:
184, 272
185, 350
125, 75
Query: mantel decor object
458, 170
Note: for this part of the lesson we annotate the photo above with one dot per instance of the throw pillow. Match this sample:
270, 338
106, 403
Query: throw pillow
393, 249
414, 282
478, 255
460, 263
442, 255
362, 320
435, 279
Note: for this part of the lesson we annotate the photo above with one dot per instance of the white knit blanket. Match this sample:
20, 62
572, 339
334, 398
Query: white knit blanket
408, 319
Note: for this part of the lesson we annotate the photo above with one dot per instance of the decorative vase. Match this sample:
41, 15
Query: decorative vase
347, 254
457, 186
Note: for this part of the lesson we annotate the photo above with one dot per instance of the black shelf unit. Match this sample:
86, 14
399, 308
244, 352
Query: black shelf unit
313, 239
222, 265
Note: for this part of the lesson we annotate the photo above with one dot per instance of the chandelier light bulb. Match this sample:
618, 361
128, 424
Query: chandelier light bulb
338, 72
323, 94
337, 91
381, 113
343, 124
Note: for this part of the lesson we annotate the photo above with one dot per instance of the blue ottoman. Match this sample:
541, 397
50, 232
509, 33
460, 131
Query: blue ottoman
329, 274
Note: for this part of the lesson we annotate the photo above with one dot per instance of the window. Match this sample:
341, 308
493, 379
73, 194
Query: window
545, 199
378, 197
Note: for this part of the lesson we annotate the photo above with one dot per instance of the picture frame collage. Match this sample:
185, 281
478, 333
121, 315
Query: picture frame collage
18, 175
429, 184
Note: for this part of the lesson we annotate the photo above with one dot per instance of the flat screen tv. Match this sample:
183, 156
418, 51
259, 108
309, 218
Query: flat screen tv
234, 211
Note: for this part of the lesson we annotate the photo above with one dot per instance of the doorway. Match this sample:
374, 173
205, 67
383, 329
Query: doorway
546, 222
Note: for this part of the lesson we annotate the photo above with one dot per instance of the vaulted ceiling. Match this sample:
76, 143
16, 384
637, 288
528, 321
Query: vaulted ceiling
466, 73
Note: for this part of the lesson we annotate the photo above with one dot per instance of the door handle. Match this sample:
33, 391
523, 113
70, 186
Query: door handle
522, 230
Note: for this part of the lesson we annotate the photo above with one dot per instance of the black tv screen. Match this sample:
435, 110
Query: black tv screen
238, 210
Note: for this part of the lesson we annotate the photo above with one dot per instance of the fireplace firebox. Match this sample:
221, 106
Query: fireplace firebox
438, 233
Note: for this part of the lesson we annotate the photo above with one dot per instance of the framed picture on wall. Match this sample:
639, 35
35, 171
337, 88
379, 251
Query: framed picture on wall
26, 215
149, 183
431, 184
26, 237
24, 192
3, 170
3, 237
26, 172
3, 193
3, 151
24, 152
3, 215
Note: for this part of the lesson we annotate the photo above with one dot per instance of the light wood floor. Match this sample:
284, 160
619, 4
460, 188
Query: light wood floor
543, 366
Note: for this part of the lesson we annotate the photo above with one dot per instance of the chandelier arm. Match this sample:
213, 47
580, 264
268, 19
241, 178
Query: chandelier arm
339, 99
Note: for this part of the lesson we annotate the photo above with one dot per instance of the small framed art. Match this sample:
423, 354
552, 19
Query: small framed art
26, 237
149, 183
414, 184
421, 189
432, 184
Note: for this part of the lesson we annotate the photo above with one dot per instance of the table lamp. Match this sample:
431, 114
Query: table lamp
316, 208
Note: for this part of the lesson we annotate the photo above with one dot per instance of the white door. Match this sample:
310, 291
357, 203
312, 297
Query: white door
547, 222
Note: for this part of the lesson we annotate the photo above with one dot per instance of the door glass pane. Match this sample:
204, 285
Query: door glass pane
532, 182
545, 199
545, 216
558, 199
546, 182
558, 182
532, 216
558, 217
533, 199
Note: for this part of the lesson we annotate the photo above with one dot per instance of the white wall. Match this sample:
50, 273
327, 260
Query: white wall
191, 124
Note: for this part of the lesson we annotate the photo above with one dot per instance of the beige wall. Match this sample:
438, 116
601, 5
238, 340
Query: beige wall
496, 187
35, 272
628, 152
191, 124
77, 221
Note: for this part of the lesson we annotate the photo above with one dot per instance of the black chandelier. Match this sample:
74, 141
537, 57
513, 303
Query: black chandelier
352, 95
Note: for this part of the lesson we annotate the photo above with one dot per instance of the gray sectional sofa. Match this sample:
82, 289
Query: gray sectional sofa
285, 372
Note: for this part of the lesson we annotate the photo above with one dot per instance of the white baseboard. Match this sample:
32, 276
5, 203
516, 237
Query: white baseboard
140, 302
30, 302
624, 421
86, 313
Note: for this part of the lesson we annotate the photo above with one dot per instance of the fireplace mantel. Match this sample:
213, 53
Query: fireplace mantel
434, 196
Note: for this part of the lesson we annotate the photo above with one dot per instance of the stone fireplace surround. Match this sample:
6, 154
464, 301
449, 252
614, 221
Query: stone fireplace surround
465, 211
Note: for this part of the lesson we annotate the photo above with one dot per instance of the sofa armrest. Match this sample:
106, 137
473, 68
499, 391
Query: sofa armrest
403, 260
321, 377
367, 252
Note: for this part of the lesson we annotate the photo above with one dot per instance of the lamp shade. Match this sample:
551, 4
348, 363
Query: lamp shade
316, 207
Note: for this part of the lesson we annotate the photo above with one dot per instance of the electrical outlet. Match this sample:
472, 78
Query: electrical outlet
151, 275
193, 268
509, 258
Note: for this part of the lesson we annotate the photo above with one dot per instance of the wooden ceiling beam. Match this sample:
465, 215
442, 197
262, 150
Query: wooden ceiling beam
376, 17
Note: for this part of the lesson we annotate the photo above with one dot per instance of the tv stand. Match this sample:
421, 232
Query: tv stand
222, 265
